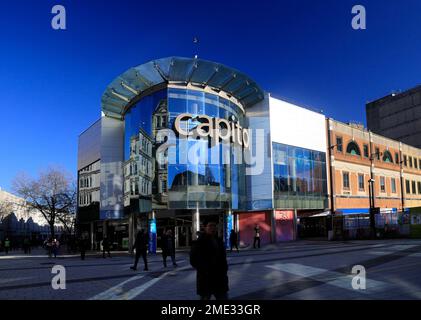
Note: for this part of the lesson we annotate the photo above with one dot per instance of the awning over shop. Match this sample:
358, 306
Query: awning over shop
323, 214
353, 211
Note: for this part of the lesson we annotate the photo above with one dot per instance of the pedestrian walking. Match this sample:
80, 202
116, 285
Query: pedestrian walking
27, 245
106, 247
55, 247
256, 237
6, 245
141, 247
208, 257
168, 247
83, 245
233, 240
48, 245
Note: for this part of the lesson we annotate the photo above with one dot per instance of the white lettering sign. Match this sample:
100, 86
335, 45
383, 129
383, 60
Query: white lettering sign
216, 129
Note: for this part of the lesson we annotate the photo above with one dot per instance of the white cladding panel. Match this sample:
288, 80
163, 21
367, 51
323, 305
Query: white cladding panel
297, 126
89, 147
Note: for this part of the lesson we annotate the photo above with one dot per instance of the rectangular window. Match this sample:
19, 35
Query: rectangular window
410, 162
396, 158
405, 160
408, 186
414, 188
419, 187
366, 150
419, 163
361, 182
378, 154
345, 176
415, 163
339, 144
393, 185
136, 187
382, 184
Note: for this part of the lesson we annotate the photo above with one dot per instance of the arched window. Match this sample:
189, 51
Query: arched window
353, 149
387, 157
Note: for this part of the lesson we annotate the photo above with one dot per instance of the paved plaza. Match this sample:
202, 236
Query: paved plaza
294, 270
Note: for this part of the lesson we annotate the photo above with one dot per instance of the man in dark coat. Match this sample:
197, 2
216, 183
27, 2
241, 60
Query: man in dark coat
106, 247
83, 245
256, 237
141, 246
208, 257
233, 240
168, 248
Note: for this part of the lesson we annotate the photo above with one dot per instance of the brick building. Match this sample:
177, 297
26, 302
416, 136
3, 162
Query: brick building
361, 161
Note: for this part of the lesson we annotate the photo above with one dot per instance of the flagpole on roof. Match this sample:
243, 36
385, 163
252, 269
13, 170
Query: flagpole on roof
196, 42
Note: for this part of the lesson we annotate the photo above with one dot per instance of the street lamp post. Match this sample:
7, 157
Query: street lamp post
373, 210
332, 200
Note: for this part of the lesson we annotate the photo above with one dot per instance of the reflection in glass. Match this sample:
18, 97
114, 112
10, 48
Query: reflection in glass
298, 173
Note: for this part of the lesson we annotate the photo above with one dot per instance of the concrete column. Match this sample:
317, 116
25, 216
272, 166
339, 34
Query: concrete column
187, 238
132, 231
92, 235
176, 236
195, 223
237, 227
273, 226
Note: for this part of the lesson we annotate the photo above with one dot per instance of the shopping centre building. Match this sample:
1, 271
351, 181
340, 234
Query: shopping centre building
183, 140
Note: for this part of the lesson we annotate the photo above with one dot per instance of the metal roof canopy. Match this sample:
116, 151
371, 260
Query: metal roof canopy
139, 81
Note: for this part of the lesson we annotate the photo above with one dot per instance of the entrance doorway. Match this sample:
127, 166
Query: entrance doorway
181, 228
183, 235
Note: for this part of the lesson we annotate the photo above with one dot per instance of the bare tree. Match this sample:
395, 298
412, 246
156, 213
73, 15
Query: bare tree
6, 208
53, 194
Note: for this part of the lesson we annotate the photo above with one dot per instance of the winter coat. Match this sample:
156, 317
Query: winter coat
141, 242
167, 245
233, 237
208, 257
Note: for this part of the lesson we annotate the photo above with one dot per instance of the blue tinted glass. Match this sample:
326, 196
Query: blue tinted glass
140, 117
299, 172
210, 182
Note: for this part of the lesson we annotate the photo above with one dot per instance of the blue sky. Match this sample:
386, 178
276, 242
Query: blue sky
51, 82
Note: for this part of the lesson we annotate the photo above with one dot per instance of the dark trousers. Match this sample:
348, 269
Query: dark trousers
145, 260
164, 257
218, 296
106, 250
256, 239
82, 254
6, 249
234, 245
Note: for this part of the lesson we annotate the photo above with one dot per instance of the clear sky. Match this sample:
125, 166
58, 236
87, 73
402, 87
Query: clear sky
51, 81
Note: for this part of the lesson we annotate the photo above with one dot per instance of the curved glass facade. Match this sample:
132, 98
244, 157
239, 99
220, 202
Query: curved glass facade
164, 170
